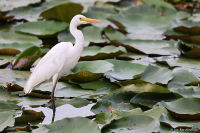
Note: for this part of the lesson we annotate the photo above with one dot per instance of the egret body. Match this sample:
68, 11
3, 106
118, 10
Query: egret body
59, 60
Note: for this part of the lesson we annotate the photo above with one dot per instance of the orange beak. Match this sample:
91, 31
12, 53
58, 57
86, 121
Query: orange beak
91, 20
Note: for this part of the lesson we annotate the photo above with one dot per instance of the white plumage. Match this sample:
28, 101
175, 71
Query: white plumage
59, 60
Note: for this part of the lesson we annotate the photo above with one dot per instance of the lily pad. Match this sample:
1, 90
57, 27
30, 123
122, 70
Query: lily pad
133, 123
183, 62
166, 118
155, 112
11, 75
58, 12
27, 57
145, 87
155, 74
99, 84
157, 47
41, 28
72, 91
104, 118
75, 102
11, 4
184, 76
149, 99
184, 108
124, 70
9, 37
7, 120
103, 106
98, 53
186, 27
5, 60
89, 70
120, 96
6, 106
69, 125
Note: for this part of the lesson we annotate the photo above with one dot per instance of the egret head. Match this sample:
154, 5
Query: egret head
80, 19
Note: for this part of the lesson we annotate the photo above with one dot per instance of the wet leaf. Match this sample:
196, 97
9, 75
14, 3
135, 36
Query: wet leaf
11, 4
89, 70
72, 91
58, 12
155, 74
9, 37
157, 47
184, 76
27, 57
41, 28
186, 27
102, 106
120, 96
184, 108
99, 84
134, 123
149, 99
145, 87
7, 120
166, 118
98, 53
70, 125
124, 70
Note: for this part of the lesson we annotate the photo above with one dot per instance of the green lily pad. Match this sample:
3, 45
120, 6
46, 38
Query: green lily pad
89, 70
155, 112
9, 37
7, 120
98, 53
149, 99
186, 27
6, 106
58, 12
159, 3
72, 91
133, 123
104, 118
95, 37
5, 60
131, 56
184, 108
166, 118
153, 27
157, 47
104, 105
41, 130
120, 96
184, 76
11, 4
185, 91
145, 87
41, 28
155, 74
120, 114
124, 70
11, 75
27, 57
69, 125
16, 46
75, 102
183, 62
99, 84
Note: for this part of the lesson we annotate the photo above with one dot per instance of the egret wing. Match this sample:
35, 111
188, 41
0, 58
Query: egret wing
48, 66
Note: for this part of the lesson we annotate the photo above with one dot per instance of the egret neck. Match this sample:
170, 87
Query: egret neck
78, 35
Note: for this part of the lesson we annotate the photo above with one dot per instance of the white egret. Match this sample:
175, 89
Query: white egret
60, 59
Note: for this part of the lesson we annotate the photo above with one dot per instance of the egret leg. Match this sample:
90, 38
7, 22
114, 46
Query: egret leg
52, 96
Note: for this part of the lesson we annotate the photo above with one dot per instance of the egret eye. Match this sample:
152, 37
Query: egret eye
80, 18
